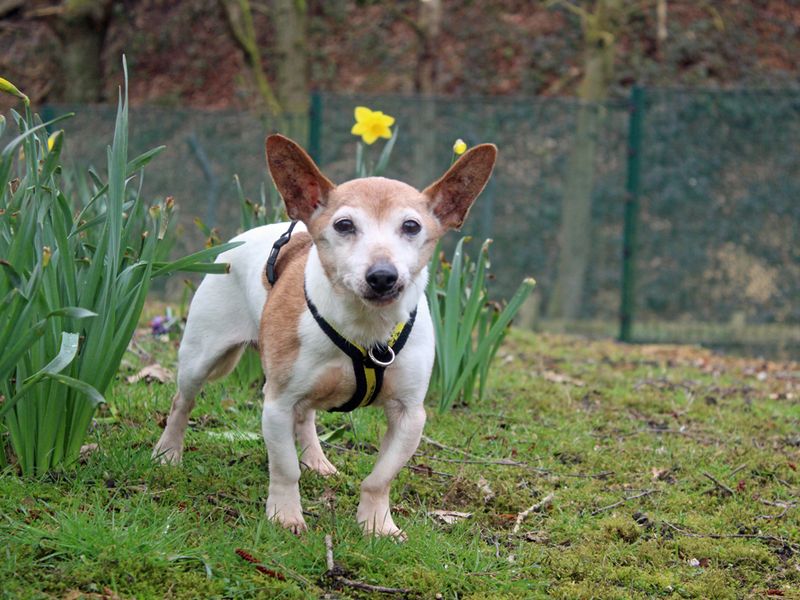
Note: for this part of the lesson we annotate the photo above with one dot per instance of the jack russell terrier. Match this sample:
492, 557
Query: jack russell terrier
337, 302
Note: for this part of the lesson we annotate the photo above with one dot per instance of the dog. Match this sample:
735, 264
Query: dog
341, 296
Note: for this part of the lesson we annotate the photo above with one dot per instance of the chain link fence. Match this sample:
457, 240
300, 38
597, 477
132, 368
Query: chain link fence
715, 196
718, 253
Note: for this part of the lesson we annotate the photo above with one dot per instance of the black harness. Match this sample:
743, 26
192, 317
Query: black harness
369, 364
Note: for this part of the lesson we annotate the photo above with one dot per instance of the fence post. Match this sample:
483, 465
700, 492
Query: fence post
628, 285
315, 127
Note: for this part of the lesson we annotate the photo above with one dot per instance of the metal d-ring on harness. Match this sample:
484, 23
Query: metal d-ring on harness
369, 364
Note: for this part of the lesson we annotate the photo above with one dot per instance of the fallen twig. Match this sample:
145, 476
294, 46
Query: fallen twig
623, 501
502, 462
441, 446
427, 470
415, 468
367, 587
786, 506
737, 469
336, 577
505, 462
329, 552
719, 484
778, 503
722, 536
539, 506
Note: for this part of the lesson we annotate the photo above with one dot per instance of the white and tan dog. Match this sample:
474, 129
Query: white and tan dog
361, 253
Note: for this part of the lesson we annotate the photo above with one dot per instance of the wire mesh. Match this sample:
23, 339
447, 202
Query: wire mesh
718, 245
717, 258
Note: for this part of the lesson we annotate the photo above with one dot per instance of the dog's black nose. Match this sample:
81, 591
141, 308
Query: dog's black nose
381, 277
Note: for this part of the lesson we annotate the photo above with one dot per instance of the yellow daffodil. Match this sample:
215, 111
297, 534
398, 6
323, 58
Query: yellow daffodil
459, 147
372, 124
51, 141
9, 88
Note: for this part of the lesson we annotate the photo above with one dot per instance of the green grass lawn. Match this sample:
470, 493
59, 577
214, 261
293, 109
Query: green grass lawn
625, 439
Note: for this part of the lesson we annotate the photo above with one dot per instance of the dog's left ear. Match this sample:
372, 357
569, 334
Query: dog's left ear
452, 196
299, 181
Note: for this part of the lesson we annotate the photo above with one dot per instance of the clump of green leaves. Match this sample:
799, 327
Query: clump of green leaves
268, 210
75, 275
468, 327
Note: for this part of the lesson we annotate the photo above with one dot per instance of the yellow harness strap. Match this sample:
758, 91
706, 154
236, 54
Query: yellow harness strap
368, 363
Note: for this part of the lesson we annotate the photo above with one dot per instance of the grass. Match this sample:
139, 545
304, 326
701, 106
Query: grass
594, 423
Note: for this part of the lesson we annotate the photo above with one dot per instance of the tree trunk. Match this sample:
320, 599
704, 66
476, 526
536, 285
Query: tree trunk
575, 233
423, 126
81, 27
430, 26
661, 24
291, 30
240, 20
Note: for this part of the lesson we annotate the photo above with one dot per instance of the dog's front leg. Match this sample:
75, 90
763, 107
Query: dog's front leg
283, 502
404, 431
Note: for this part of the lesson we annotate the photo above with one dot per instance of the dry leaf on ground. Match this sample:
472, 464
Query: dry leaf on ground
486, 491
150, 373
85, 451
448, 517
554, 377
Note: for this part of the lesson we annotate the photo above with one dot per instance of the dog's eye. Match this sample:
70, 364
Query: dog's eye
344, 226
411, 227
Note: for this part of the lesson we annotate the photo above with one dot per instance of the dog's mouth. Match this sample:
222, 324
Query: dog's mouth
385, 299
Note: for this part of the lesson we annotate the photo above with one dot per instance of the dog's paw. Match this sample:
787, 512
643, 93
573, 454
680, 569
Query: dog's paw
168, 455
319, 464
289, 517
380, 525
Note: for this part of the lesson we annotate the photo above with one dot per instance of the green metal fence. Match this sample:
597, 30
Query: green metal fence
720, 218
695, 202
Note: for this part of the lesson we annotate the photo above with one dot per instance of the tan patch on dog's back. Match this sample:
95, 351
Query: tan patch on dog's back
285, 304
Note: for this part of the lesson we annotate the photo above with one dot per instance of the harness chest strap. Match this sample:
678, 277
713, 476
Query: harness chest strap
368, 364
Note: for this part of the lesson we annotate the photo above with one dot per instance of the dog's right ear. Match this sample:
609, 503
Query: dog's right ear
299, 181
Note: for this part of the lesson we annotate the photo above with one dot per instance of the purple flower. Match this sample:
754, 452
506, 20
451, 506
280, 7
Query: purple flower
159, 325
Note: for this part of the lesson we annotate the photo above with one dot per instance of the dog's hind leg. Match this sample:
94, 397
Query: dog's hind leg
211, 346
311, 454
192, 374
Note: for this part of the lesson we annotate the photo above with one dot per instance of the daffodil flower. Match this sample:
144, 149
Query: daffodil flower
459, 147
372, 124
51, 140
9, 88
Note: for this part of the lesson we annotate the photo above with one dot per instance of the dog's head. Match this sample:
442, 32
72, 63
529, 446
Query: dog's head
375, 235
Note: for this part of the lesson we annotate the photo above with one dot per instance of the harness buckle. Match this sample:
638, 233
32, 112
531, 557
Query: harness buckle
382, 363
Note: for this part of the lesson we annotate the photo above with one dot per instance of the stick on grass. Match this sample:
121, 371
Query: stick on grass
337, 579
538, 507
623, 501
